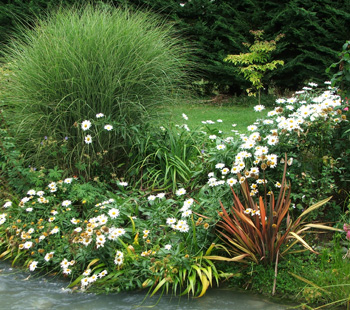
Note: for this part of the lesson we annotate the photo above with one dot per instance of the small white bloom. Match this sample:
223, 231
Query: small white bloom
221, 147
66, 203
252, 128
74, 221
113, 213
7, 204
167, 247
186, 213
33, 265
85, 125
87, 272
151, 198
40, 193
88, 139
184, 116
99, 115
102, 274
84, 282
28, 245
259, 108
68, 180
31, 192
180, 192
54, 231
171, 221
48, 256
231, 181
225, 171
108, 127
219, 165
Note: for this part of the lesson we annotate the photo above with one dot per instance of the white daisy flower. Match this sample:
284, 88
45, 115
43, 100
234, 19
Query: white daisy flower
167, 247
180, 192
85, 125
88, 139
108, 127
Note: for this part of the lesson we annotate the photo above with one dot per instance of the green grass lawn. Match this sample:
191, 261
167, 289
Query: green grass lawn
241, 115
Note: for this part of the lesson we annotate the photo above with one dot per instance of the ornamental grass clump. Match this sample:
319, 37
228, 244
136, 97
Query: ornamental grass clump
82, 64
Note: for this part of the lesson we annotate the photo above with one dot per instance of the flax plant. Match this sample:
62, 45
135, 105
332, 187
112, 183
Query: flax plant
260, 237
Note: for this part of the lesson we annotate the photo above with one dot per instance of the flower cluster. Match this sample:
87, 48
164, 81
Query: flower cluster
86, 125
259, 150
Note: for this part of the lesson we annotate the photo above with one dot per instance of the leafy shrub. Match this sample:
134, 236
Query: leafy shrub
341, 78
110, 241
80, 64
253, 65
305, 127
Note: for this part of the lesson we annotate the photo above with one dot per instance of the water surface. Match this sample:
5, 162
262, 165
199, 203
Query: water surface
18, 292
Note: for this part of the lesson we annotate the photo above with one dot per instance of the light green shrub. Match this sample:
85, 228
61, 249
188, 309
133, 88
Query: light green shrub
81, 62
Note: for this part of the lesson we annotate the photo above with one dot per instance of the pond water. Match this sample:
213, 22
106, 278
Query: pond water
17, 291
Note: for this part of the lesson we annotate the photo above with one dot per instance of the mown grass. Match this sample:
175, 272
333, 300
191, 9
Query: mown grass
231, 113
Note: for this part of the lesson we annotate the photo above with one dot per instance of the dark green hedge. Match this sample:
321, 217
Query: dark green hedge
18, 13
315, 31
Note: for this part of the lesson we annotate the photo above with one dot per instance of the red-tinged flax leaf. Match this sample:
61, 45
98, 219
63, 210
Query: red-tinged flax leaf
232, 227
262, 215
201, 215
245, 239
252, 227
283, 213
245, 245
237, 202
280, 196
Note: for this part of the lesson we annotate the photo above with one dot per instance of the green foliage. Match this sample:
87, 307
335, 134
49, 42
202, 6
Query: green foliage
110, 241
257, 61
16, 13
314, 31
341, 78
328, 285
169, 156
79, 63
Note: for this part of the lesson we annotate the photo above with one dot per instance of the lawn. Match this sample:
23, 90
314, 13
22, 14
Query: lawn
234, 116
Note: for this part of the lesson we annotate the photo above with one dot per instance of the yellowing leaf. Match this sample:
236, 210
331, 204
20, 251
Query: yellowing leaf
320, 226
94, 261
226, 259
